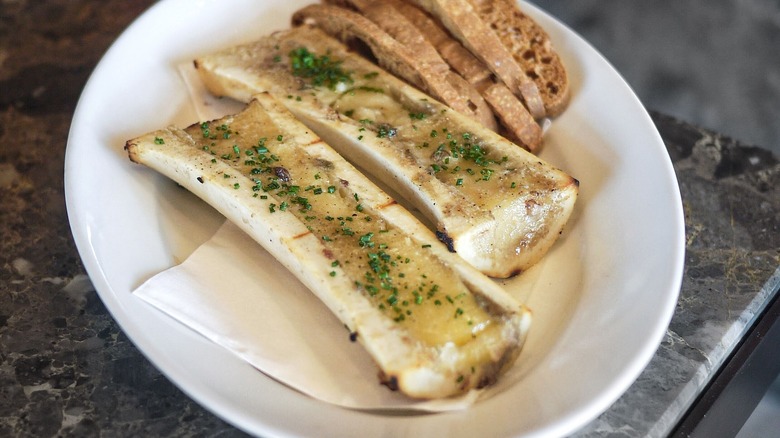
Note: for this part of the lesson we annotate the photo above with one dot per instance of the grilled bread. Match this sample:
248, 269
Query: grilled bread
531, 48
519, 125
435, 326
498, 206
460, 18
410, 57
422, 34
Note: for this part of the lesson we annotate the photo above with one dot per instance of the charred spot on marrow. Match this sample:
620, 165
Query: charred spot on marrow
445, 239
282, 173
390, 381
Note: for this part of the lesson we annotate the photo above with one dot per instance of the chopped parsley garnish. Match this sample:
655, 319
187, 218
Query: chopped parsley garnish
321, 70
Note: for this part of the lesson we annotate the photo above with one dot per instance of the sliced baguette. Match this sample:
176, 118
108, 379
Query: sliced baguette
423, 67
531, 47
415, 29
435, 326
464, 23
498, 206
387, 17
520, 125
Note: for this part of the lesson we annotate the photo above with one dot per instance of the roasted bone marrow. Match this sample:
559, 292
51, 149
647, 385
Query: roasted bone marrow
434, 325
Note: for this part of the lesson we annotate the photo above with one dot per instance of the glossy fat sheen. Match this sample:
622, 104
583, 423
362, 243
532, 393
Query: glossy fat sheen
502, 228
410, 361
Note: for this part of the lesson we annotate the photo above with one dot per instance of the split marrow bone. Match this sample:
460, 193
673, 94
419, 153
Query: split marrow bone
434, 325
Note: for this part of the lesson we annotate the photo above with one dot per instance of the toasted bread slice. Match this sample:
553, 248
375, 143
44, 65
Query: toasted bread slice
500, 207
462, 21
452, 51
521, 126
435, 326
422, 68
531, 47
387, 17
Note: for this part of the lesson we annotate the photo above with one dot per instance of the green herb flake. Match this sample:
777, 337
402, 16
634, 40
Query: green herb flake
386, 131
365, 240
321, 70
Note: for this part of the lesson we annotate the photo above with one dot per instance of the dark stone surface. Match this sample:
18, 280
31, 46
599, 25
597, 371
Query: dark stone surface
713, 63
66, 369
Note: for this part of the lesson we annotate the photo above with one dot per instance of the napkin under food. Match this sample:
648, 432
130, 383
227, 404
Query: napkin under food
266, 316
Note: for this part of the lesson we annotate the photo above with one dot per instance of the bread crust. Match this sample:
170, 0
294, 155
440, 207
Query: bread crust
423, 67
392, 21
519, 125
492, 44
530, 47
460, 18
522, 127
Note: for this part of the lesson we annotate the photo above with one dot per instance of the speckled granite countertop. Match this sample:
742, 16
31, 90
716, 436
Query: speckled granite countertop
66, 369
